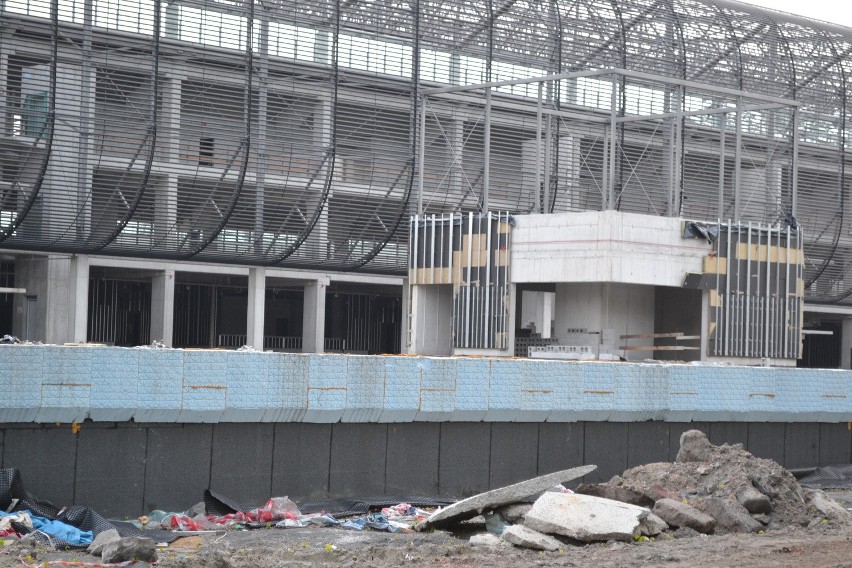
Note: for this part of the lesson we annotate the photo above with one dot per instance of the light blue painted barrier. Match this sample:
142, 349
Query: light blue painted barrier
65, 384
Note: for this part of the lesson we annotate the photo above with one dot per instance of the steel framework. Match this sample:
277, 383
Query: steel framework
275, 132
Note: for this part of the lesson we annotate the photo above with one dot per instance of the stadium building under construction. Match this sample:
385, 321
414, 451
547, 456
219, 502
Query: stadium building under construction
602, 179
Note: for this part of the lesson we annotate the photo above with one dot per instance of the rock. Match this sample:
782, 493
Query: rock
616, 493
130, 548
761, 518
652, 525
525, 537
472, 506
680, 514
730, 515
685, 532
753, 500
485, 539
102, 539
827, 506
694, 447
585, 518
515, 512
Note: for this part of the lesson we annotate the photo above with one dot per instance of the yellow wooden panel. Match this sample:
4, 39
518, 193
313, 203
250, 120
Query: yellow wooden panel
715, 265
714, 298
504, 228
800, 287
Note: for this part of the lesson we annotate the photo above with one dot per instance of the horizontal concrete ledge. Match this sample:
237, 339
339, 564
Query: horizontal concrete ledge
72, 384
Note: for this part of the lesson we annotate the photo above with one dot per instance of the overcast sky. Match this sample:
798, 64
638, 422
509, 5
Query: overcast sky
834, 11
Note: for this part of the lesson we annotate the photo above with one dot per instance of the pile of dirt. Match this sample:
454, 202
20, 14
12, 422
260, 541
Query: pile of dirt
727, 483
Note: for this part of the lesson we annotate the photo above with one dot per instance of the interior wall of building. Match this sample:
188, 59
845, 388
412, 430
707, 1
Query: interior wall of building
611, 309
677, 310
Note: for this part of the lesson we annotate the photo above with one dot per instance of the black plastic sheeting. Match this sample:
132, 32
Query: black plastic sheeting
829, 477
216, 504
12, 488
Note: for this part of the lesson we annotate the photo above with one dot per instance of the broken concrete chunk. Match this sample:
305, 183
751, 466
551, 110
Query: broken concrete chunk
694, 447
493, 499
827, 506
753, 500
730, 515
585, 518
607, 491
652, 525
102, 539
680, 514
485, 539
130, 548
525, 537
515, 512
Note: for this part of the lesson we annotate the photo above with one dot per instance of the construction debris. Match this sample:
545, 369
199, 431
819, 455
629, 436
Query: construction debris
585, 518
472, 506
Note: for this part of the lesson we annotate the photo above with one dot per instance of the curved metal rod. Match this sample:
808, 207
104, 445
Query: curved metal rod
554, 9
50, 124
842, 178
330, 154
152, 134
245, 144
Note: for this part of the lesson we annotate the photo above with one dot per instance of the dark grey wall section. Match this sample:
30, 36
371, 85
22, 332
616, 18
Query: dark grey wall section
514, 453
177, 466
560, 446
358, 453
606, 446
729, 433
465, 458
300, 460
46, 457
110, 473
127, 469
241, 466
413, 459
647, 442
801, 445
765, 440
835, 443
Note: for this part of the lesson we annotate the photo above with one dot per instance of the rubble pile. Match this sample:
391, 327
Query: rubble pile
708, 489
738, 491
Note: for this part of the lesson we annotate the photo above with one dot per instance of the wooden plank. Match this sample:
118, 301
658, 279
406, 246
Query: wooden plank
687, 337
658, 348
652, 335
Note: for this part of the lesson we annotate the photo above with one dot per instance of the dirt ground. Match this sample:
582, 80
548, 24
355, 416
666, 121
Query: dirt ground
822, 546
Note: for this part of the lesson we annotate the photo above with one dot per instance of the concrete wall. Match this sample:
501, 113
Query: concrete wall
126, 469
432, 317
65, 384
611, 309
607, 246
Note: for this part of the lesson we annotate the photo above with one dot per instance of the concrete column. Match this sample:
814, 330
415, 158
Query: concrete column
404, 344
313, 317
78, 304
846, 344
256, 307
4, 77
163, 307
165, 213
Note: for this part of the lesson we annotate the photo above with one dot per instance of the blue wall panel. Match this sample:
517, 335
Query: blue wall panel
65, 384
